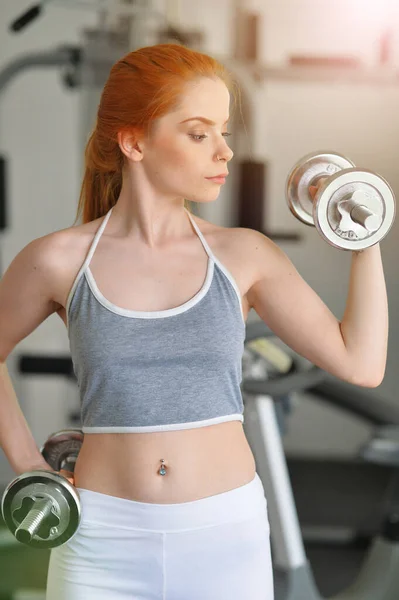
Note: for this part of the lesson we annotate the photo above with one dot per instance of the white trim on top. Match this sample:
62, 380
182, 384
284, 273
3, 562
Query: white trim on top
220, 265
172, 427
86, 261
160, 314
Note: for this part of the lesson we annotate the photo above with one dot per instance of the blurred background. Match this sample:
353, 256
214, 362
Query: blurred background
313, 74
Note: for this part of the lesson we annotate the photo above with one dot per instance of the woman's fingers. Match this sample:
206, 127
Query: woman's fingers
68, 475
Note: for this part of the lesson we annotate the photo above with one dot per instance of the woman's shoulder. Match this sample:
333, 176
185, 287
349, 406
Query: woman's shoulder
225, 237
61, 253
57, 249
238, 244
72, 238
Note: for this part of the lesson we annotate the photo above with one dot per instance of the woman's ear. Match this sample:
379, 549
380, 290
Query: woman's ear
131, 145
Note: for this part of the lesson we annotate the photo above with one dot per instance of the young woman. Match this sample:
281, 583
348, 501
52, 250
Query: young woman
155, 301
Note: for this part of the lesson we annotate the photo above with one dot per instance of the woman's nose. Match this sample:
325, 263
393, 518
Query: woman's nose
224, 153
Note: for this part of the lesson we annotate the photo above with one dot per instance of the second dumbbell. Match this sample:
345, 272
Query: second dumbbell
41, 508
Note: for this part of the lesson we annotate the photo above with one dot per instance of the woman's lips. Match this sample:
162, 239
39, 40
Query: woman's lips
217, 179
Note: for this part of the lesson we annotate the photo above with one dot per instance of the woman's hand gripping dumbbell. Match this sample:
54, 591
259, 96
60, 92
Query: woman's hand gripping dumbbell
351, 208
41, 508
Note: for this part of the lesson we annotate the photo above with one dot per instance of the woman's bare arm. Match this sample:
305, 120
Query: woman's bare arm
26, 300
354, 349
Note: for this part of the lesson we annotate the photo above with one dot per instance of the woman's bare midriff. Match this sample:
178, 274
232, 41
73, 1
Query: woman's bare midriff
199, 462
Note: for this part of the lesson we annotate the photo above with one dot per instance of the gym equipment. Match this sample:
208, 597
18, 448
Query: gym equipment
42, 508
353, 209
293, 577
340, 502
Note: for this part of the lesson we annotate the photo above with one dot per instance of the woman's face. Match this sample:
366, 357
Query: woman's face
182, 153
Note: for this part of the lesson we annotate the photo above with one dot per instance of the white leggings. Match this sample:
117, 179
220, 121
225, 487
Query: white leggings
215, 548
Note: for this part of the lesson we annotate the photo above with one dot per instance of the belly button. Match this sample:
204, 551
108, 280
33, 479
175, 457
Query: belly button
162, 470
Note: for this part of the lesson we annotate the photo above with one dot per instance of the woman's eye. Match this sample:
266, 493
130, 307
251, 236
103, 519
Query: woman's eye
202, 137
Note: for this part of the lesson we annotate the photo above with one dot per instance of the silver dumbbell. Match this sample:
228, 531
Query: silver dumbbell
352, 209
42, 508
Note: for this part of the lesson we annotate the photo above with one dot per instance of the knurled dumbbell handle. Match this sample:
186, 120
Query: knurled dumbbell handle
35, 517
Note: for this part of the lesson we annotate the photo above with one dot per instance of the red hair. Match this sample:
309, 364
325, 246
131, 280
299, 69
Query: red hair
142, 86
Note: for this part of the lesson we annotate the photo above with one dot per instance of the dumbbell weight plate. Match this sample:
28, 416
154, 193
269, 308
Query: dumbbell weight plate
378, 196
61, 449
43, 484
306, 172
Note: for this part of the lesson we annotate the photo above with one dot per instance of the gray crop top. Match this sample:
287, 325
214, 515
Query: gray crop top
162, 370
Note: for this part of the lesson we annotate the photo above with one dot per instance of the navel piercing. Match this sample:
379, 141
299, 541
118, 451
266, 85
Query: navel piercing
162, 470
